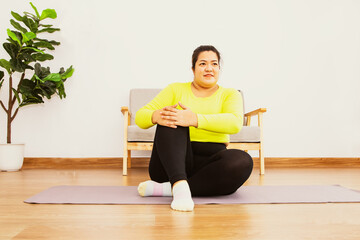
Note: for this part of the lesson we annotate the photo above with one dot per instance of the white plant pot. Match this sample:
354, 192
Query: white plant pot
11, 157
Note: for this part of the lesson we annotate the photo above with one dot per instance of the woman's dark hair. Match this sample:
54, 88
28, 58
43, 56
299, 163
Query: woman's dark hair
203, 48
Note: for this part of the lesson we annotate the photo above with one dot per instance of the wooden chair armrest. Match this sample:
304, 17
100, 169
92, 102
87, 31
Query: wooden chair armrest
124, 109
255, 112
126, 113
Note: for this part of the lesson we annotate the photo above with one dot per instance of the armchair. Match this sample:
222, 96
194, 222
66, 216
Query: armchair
135, 138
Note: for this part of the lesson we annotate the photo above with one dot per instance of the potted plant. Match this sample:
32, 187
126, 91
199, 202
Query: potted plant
34, 82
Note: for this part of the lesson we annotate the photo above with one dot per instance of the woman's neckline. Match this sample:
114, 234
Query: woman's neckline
192, 88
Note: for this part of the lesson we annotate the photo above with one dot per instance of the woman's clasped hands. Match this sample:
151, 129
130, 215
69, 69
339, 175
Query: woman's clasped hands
172, 117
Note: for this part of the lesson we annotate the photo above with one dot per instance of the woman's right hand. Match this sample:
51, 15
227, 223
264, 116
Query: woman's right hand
158, 119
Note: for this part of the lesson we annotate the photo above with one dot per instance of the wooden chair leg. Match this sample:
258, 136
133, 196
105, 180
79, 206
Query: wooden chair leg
125, 160
262, 162
261, 153
126, 151
129, 158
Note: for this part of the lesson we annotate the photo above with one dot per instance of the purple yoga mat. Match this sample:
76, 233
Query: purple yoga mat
246, 194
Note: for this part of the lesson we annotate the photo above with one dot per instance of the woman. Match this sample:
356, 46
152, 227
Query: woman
194, 120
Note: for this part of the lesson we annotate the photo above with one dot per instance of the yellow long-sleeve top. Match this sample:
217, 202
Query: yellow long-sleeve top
218, 116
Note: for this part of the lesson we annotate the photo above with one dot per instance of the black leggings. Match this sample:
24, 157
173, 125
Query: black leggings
209, 168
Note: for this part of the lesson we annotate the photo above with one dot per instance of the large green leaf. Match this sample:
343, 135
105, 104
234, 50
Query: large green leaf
31, 100
13, 36
17, 16
69, 72
37, 69
31, 94
18, 26
26, 56
34, 90
26, 86
51, 42
29, 67
48, 88
5, 64
48, 13
41, 72
1, 74
53, 77
17, 65
44, 44
31, 24
42, 57
61, 91
37, 78
54, 43
18, 35
13, 42
16, 95
12, 49
49, 30
28, 36
47, 92
45, 25
32, 16
36, 11
35, 49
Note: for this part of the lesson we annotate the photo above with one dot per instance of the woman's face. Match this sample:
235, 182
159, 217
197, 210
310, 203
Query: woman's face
206, 73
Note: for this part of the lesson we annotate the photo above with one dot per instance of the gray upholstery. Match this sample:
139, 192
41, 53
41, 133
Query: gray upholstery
136, 134
140, 97
247, 134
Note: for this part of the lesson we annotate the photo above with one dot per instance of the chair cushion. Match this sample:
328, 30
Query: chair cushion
247, 134
136, 134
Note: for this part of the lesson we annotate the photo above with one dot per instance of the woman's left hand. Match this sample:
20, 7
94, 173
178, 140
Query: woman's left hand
184, 117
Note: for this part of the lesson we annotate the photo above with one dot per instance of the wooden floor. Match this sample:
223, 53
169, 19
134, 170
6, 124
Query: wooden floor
248, 221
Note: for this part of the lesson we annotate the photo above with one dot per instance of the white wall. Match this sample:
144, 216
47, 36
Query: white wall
299, 59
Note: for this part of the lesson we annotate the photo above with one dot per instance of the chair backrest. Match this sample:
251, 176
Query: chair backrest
243, 100
139, 97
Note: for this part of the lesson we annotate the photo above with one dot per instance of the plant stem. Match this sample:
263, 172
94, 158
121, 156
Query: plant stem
13, 117
11, 103
3, 106
14, 98
10, 106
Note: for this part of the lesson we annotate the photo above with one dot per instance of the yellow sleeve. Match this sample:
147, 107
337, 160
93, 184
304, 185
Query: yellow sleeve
143, 117
229, 121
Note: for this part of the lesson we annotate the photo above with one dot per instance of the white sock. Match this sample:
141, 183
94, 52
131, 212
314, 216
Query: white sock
154, 189
182, 200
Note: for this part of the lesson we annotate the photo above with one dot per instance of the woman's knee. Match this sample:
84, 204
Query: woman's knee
168, 132
239, 156
239, 168
158, 174
238, 161
169, 129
